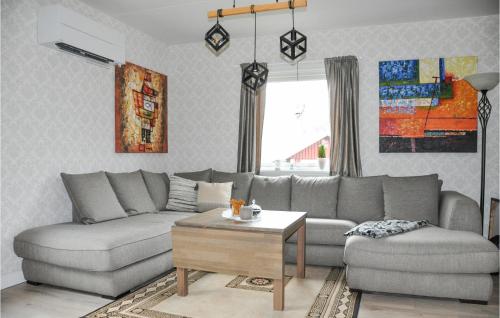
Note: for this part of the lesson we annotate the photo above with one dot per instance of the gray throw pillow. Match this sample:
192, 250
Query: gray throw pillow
315, 195
158, 187
93, 197
271, 193
131, 191
412, 198
241, 182
203, 175
361, 199
183, 195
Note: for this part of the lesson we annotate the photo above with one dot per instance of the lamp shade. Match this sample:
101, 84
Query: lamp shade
255, 75
483, 81
217, 37
293, 44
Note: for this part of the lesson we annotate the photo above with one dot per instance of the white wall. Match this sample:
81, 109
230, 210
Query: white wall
58, 110
57, 115
204, 90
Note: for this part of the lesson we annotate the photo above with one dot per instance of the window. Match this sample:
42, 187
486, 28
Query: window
296, 123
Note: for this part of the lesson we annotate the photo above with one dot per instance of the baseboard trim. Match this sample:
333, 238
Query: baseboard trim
12, 279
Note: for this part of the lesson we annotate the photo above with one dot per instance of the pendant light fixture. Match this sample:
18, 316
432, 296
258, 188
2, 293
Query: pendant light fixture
293, 44
255, 74
217, 37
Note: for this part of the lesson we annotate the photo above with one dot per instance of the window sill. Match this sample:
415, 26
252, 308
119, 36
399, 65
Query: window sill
302, 173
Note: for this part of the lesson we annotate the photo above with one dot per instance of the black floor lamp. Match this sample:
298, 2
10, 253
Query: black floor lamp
483, 82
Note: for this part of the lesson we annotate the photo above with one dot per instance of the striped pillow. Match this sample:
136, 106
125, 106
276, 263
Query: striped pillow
182, 195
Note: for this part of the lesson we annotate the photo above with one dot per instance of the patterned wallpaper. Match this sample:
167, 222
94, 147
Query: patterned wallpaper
58, 109
58, 115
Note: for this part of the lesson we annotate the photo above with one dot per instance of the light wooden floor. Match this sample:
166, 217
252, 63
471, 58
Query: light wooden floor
26, 301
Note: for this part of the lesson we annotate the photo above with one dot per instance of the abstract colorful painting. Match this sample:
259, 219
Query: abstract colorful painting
140, 110
425, 105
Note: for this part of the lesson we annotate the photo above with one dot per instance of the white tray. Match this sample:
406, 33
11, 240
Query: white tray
228, 214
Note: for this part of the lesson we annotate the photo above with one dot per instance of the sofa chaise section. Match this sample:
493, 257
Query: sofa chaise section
108, 258
109, 284
451, 260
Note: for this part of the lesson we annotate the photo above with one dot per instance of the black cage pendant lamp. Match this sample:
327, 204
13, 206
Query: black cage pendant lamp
255, 74
217, 37
293, 44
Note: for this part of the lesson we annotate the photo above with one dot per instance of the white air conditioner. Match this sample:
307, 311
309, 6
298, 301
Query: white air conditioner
67, 30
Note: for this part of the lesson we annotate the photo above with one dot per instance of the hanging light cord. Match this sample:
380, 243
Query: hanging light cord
254, 34
219, 14
234, 3
291, 5
297, 71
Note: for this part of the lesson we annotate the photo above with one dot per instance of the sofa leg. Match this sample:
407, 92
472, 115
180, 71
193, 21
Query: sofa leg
115, 297
29, 282
109, 297
476, 302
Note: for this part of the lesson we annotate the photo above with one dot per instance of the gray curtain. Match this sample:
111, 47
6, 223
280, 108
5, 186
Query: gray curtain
342, 75
252, 108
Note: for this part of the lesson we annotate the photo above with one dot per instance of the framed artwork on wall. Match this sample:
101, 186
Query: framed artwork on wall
140, 110
425, 105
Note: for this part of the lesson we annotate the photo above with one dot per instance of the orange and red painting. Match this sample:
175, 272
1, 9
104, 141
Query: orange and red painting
140, 110
426, 106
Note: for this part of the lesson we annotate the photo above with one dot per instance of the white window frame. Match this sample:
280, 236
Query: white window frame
286, 72
308, 71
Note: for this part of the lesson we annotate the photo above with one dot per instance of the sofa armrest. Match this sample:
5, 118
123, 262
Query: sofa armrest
459, 212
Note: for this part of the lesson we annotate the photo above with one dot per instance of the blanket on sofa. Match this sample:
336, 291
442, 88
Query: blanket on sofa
379, 229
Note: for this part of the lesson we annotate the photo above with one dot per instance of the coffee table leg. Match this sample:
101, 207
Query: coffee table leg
279, 295
301, 251
182, 282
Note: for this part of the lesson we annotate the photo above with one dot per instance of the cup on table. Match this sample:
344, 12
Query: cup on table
246, 213
236, 205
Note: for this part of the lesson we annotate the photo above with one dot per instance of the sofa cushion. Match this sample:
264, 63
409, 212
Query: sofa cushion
271, 193
361, 199
182, 195
104, 246
430, 250
203, 175
93, 197
315, 195
241, 182
412, 198
213, 195
131, 191
158, 187
325, 231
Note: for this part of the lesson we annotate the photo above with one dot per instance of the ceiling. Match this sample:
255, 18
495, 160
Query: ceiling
181, 21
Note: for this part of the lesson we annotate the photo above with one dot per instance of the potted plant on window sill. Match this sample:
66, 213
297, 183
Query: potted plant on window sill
321, 157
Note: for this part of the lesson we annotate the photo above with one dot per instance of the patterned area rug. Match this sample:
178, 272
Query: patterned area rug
254, 283
322, 294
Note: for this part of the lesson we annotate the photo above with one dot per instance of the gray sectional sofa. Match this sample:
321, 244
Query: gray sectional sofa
447, 259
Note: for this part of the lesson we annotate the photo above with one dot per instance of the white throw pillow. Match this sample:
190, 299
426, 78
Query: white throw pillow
213, 195
182, 195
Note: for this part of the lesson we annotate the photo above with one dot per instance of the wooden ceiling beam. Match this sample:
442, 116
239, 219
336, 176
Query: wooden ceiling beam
258, 8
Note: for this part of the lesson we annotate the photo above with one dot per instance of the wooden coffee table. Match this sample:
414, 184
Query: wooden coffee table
211, 243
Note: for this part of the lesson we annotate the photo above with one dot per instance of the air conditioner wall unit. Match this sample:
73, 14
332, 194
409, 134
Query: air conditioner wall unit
61, 28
